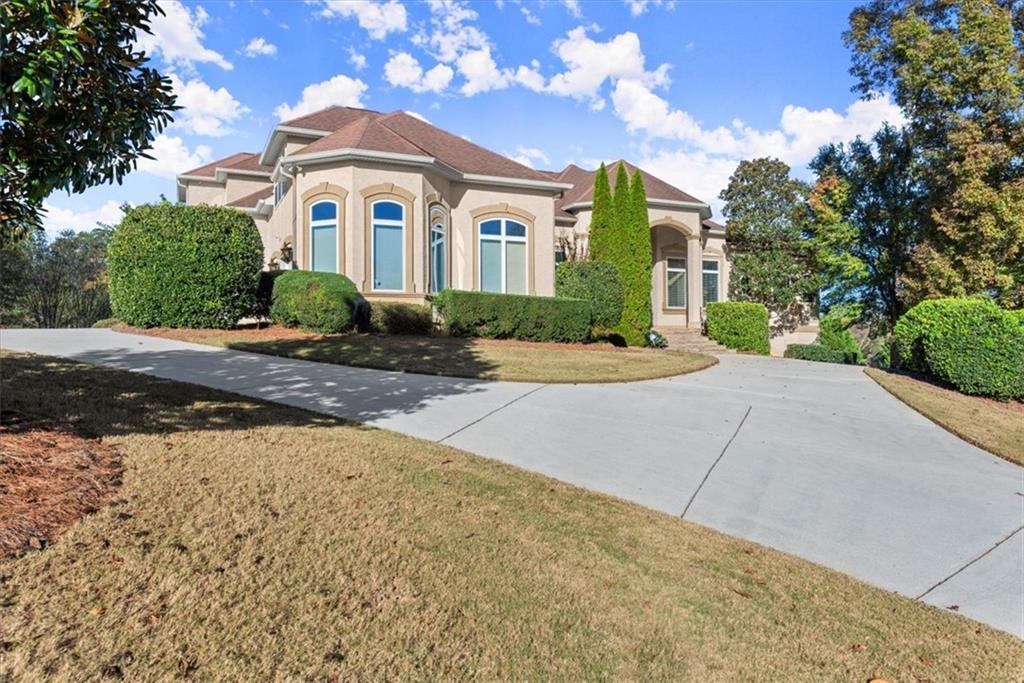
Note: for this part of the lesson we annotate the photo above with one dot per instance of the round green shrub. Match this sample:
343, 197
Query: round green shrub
596, 282
979, 350
739, 325
389, 317
928, 318
172, 265
821, 354
834, 332
327, 303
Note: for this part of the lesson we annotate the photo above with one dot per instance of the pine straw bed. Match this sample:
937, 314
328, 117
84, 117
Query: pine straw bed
50, 476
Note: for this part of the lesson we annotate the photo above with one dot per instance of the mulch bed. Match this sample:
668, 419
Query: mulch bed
50, 477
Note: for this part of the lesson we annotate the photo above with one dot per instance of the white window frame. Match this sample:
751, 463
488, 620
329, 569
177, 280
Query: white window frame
718, 277
374, 222
669, 270
325, 223
503, 239
438, 224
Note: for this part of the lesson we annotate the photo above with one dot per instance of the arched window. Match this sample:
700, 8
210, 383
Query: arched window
436, 239
503, 263
323, 239
388, 230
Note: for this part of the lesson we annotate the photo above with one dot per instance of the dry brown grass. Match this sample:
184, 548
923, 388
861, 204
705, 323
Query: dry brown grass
992, 425
49, 478
496, 359
258, 542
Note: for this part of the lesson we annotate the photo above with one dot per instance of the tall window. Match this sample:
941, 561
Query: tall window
503, 258
710, 275
323, 238
438, 230
388, 246
676, 281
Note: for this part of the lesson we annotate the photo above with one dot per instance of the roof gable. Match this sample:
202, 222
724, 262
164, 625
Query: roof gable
240, 161
364, 133
583, 184
330, 119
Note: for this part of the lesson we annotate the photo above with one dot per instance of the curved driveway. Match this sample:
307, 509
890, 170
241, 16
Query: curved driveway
813, 459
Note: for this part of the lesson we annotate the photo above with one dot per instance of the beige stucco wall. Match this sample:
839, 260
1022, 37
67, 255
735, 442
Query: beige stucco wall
460, 199
236, 187
200, 192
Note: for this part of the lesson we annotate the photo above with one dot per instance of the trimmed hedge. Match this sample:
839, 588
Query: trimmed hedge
173, 265
514, 316
739, 325
388, 317
265, 293
321, 302
596, 282
970, 343
821, 354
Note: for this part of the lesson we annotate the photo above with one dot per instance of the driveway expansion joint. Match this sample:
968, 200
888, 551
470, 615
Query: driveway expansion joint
487, 415
717, 460
998, 543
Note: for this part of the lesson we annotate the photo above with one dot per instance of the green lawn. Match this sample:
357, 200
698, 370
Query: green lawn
252, 541
456, 357
996, 427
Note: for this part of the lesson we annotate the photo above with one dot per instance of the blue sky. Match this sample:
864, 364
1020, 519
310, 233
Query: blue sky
684, 89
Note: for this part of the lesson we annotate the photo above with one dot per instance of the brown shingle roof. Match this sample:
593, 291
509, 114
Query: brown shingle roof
365, 133
331, 118
249, 201
455, 151
712, 225
583, 184
240, 161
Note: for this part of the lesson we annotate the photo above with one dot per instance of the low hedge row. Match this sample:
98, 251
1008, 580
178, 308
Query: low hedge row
514, 316
822, 354
739, 325
321, 302
970, 343
596, 282
387, 317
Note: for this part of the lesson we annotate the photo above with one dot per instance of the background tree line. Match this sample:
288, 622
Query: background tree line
932, 208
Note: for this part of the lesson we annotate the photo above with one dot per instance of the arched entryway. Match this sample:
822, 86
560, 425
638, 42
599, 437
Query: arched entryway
675, 278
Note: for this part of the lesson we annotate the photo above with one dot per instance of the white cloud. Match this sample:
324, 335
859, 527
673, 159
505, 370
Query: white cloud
338, 90
451, 35
177, 36
403, 70
573, 6
701, 175
259, 46
378, 18
530, 77
590, 63
530, 17
171, 156
58, 219
204, 111
638, 7
482, 73
356, 59
528, 155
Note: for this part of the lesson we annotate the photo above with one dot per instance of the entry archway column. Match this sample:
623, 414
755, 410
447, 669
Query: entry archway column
694, 284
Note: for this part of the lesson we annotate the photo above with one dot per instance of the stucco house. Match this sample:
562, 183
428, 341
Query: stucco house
406, 209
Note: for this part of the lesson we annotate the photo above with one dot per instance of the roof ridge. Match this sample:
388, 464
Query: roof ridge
383, 122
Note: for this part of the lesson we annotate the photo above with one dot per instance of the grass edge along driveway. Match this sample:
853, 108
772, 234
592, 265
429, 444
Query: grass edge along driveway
988, 424
256, 541
491, 359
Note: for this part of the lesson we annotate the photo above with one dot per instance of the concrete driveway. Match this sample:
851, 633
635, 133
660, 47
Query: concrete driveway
813, 459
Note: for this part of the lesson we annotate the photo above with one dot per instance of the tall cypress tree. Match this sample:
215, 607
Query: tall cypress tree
622, 216
601, 218
634, 264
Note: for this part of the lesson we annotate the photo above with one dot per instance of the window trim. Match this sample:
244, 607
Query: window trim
314, 195
440, 211
321, 223
390, 192
718, 276
503, 239
505, 210
686, 283
387, 222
